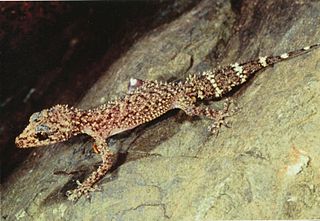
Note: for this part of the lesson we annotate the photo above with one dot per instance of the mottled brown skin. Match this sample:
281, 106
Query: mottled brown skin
145, 101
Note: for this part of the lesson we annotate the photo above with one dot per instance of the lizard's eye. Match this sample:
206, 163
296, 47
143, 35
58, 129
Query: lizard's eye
42, 132
42, 136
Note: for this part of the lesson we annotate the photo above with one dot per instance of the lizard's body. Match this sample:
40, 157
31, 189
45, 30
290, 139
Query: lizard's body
145, 102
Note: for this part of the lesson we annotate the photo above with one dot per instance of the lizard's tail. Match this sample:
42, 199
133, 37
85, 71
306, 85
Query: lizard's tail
244, 70
218, 82
274, 59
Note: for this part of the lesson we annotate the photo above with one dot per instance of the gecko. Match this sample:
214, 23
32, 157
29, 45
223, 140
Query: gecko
144, 101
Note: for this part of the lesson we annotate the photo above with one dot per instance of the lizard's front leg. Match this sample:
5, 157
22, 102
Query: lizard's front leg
108, 159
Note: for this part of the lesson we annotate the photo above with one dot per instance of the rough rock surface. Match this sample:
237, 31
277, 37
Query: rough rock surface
265, 166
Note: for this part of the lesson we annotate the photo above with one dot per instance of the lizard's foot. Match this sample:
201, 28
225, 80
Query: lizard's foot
219, 117
87, 186
81, 190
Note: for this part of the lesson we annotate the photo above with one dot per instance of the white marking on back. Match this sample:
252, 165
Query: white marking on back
237, 68
133, 81
211, 78
284, 56
263, 61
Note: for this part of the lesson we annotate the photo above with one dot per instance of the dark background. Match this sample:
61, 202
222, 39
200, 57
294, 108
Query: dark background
53, 52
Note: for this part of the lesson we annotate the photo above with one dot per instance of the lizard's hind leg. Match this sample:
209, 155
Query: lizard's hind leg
108, 159
217, 116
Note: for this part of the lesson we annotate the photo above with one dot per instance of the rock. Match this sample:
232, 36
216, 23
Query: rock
174, 168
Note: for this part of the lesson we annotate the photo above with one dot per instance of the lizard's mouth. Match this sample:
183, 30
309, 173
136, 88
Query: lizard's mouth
21, 142
25, 141
30, 141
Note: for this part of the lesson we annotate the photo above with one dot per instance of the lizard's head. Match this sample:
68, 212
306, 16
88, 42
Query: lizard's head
48, 126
